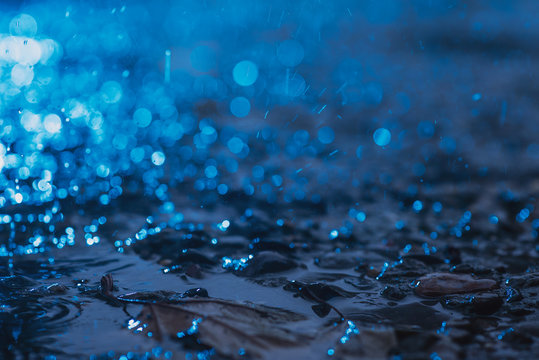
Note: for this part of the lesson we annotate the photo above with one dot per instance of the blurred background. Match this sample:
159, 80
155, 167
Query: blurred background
204, 91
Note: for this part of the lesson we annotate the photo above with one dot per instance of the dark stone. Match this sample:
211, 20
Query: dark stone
393, 293
409, 269
316, 291
196, 292
438, 284
191, 256
271, 245
266, 262
481, 304
486, 303
335, 261
170, 241
426, 259
524, 281
194, 271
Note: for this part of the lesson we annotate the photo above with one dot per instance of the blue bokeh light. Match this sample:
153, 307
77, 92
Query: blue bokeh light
245, 73
326, 135
382, 137
240, 107
290, 53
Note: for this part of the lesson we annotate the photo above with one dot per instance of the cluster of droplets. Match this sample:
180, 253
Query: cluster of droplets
139, 327
37, 229
78, 119
236, 264
109, 97
351, 330
92, 108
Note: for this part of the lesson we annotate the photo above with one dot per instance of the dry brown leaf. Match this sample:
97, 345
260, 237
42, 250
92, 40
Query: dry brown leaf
228, 327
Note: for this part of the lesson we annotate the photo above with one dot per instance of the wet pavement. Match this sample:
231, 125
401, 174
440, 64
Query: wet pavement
388, 210
413, 293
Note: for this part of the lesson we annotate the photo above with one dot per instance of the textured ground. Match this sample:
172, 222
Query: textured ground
424, 249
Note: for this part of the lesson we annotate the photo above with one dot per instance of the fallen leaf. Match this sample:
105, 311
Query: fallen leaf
231, 328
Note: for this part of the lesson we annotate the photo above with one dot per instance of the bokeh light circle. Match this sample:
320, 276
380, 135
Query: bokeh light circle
245, 73
382, 137
240, 107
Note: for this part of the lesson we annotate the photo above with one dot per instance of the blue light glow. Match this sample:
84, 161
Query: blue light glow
245, 73
240, 107
326, 135
158, 158
290, 53
142, 117
255, 120
382, 137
